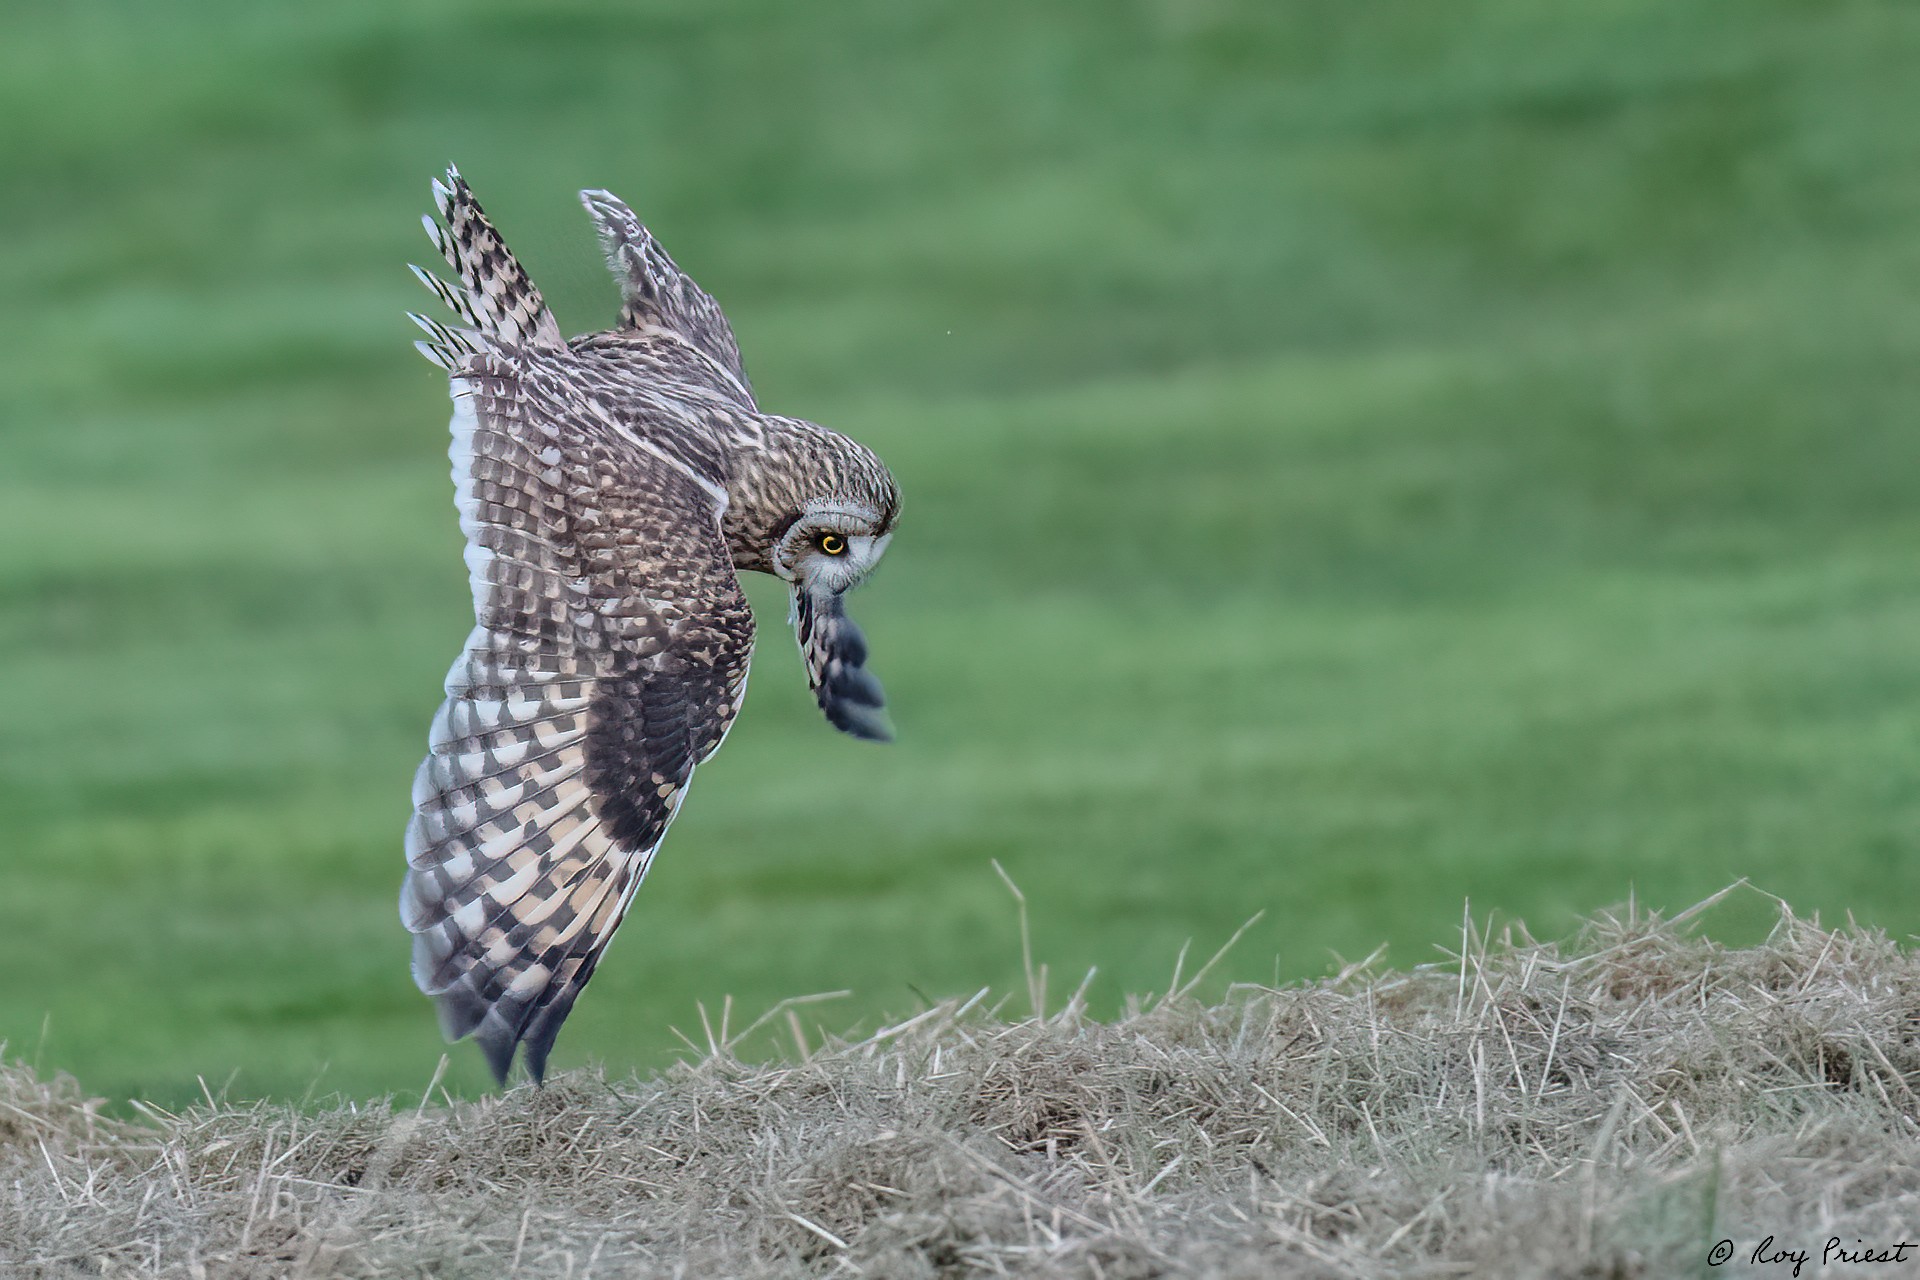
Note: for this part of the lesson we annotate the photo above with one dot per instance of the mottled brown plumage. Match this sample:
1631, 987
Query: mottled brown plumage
610, 488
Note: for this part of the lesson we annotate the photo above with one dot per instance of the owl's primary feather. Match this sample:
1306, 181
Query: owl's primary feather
609, 489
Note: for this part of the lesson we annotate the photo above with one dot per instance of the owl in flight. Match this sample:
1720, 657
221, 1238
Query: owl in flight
611, 489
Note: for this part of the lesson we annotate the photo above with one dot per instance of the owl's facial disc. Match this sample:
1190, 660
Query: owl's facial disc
830, 549
837, 562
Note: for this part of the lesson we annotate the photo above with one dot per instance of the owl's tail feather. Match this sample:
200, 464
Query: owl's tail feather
498, 305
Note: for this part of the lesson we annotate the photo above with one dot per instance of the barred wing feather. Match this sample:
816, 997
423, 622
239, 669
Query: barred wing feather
608, 658
657, 296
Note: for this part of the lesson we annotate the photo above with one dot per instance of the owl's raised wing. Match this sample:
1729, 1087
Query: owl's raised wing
658, 297
609, 657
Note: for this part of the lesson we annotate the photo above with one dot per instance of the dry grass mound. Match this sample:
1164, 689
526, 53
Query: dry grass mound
1611, 1106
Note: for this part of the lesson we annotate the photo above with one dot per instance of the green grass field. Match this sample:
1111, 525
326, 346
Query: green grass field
1357, 456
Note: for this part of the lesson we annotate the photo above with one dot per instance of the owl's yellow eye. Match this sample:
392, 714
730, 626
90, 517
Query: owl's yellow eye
833, 544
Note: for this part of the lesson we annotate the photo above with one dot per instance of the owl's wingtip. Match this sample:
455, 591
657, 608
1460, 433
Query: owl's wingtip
497, 1044
869, 724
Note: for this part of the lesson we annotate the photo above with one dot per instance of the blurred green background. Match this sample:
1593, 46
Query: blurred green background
1359, 455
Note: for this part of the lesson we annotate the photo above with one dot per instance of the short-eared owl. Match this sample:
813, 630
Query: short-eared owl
610, 489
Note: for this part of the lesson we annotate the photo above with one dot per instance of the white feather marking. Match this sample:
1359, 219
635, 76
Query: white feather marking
478, 558
484, 715
509, 755
470, 916
450, 818
556, 769
479, 775
528, 703
505, 843
551, 738
458, 868
534, 978
459, 760
497, 797
464, 424
515, 886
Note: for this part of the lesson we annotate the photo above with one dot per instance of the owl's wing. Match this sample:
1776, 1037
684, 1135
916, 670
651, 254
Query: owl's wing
835, 653
496, 300
608, 658
657, 296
